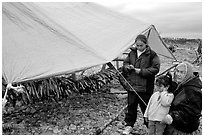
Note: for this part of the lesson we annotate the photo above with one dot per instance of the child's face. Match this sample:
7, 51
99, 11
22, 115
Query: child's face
159, 87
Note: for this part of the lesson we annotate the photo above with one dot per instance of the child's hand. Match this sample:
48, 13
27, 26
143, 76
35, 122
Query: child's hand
167, 119
137, 70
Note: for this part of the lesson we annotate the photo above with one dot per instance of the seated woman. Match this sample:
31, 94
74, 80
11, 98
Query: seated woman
185, 111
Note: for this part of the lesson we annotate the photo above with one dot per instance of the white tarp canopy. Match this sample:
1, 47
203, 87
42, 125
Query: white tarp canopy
45, 39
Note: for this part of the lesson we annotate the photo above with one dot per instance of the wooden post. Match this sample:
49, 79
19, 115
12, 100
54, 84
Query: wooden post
103, 67
73, 76
117, 64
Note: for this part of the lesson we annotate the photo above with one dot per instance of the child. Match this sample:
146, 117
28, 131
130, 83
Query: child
159, 104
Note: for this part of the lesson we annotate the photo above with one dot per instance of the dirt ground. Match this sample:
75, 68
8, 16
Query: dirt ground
79, 114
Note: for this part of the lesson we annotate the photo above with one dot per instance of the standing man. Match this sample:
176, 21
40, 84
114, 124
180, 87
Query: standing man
140, 67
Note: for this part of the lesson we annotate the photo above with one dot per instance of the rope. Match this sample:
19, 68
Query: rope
99, 130
111, 65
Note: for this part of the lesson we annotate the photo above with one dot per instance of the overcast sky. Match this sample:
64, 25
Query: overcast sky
171, 19
180, 18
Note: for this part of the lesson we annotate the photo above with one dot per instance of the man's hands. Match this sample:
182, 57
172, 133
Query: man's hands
131, 68
137, 70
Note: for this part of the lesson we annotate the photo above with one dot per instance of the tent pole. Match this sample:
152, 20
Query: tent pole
9, 86
149, 33
166, 70
4, 99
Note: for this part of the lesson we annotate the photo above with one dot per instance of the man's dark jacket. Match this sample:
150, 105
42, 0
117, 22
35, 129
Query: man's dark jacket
149, 64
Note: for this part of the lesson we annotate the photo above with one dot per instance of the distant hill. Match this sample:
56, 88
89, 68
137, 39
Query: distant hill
185, 50
180, 43
180, 40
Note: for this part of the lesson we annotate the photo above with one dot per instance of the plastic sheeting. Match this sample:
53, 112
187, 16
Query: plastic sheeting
45, 39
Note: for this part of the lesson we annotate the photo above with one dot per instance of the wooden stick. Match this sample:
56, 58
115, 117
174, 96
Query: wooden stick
4, 99
166, 70
100, 130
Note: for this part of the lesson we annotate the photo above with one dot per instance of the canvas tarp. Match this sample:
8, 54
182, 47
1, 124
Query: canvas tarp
45, 39
154, 40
